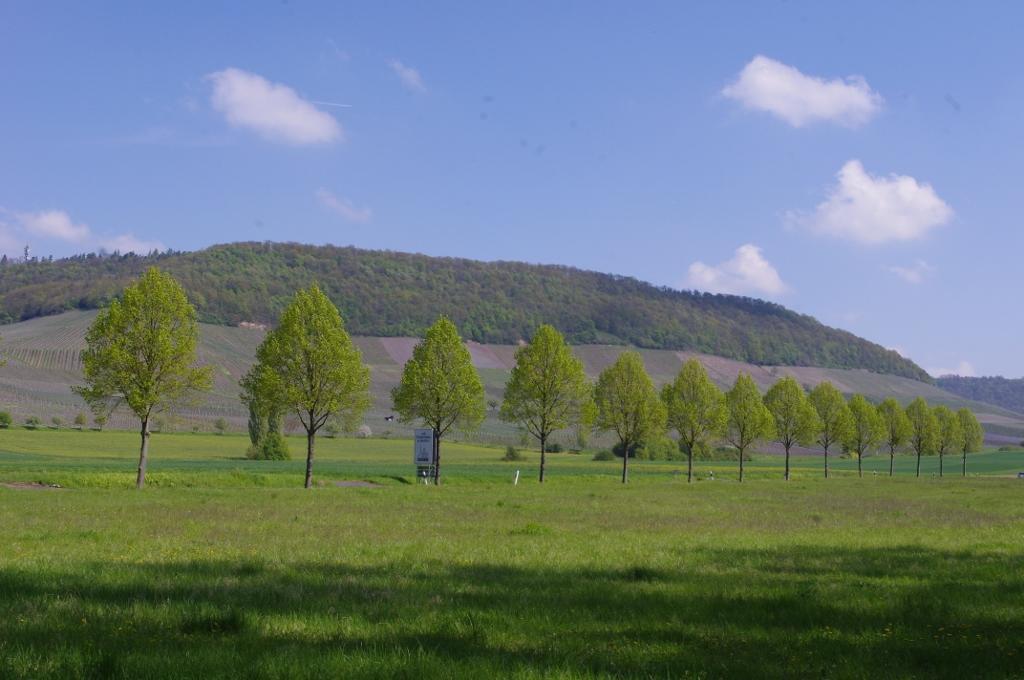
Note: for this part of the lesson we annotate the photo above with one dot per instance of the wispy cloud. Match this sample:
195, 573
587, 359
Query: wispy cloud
964, 369
872, 209
343, 207
272, 110
129, 243
915, 274
747, 273
409, 76
768, 85
55, 224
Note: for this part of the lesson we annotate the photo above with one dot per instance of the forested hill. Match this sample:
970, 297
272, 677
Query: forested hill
384, 293
1005, 392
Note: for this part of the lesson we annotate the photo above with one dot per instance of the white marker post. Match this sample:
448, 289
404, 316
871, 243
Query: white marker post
516, 483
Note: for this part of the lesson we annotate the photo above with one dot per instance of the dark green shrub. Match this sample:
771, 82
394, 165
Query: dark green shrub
719, 453
604, 454
554, 448
273, 446
5, 420
512, 454
32, 422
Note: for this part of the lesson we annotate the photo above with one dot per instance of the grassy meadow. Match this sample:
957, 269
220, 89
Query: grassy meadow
225, 567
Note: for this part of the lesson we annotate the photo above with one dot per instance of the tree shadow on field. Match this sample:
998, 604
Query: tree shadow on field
796, 612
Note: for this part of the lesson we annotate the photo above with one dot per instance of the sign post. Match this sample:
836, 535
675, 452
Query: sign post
423, 452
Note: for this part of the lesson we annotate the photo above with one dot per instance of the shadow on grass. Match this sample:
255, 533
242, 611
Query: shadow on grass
895, 612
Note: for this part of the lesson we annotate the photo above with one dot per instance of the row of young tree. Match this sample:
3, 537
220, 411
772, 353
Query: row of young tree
141, 351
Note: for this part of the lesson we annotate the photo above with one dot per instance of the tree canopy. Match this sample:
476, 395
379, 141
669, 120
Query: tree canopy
628, 405
440, 386
834, 415
866, 430
695, 408
923, 429
547, 389
308, 365
973, 434
142, 351
949, 434
749, 420
796, 420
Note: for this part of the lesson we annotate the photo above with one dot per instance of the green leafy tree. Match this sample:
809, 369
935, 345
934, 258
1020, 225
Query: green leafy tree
973, 435
834, 415
547, 390
80, 420
33, 422
796, 420
440, 386
867, 430
749, 420
583, 426
142, 351
628, 405
57, 421
923, 429
696, 409
99, 420
949, 436
897, 427
5, 420
265, 416
220, 425
308, 364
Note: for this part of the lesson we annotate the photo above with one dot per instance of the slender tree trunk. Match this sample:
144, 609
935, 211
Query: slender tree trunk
741, 463
918, 464
689, 465
310, 441
892, 458
625, 462
543, 447
826, 462
140, 479
965, 464
860, 469
787, 462
940, 463
437, 459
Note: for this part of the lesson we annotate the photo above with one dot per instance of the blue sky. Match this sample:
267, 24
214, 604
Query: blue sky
859, 162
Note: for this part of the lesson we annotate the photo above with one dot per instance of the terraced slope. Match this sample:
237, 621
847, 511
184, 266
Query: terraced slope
44, 365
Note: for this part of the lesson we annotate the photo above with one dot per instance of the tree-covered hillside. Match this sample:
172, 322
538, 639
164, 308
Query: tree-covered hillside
387, 293
1005, 392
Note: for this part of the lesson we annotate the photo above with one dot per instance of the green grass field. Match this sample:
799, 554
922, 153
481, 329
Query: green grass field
225, 567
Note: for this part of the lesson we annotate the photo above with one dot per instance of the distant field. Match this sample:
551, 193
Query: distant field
208, 574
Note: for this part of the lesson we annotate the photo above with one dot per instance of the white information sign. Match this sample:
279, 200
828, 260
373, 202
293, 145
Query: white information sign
423, 446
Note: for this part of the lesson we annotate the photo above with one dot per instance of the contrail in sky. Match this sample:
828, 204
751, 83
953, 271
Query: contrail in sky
342, 106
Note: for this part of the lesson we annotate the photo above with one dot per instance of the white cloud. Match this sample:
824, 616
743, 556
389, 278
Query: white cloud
409, 76
41, 229
128, 243
964, 369
768, 85
53, 224
872, 209
272, 110
746, 273
915, 273
343, 207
